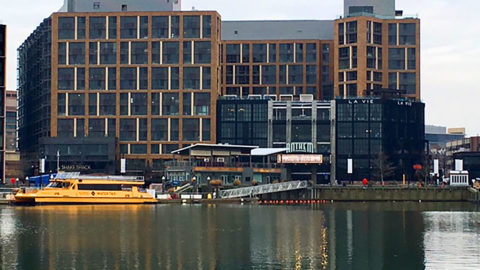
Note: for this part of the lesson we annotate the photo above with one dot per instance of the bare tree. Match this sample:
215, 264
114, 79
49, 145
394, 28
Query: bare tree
383, 167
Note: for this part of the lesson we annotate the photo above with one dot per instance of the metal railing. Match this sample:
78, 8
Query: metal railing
262, 189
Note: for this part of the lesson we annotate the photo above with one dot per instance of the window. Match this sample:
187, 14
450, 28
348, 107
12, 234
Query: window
160, 78
203, 52
65, 127
233, 53
171, 52
377, 33
272, 53
174, 78
108, 53
259, 53
128, 79
160, 26
242, 75
191, 26
139, 103
191, 129
412, 59
311, 53
283, 74
407, 34
207, 26
298, 53
124, 53
392, 80
93, 54
408, 81
66, 28
201, 104
245, 53
269, 74
139, 149
311, 74
108, 104
96, 127
81, 27
170, 104
128, 128
76, 53
112, 27
139, 53
62, 107
97, 78
76, 104
344, 58
62, 53
175, 25
174, 130
396, 58
286, 53
341, 33
191, 78
351, 32
206, 129
143, 27
295, 74
206, 78
66, 78
187, 103
98, 27
112, 78
128, 27
160, 129
187, 52
96, 5
371, 57
392, 34
155, 103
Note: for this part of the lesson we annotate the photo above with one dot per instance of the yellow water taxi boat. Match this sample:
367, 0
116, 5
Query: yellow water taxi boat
77, 189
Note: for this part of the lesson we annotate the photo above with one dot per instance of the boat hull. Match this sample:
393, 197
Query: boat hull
19, 199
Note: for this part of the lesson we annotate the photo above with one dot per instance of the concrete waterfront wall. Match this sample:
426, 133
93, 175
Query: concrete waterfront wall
379, 194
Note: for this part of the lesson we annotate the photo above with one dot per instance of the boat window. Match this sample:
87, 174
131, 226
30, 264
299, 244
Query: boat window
99, 187
127, 187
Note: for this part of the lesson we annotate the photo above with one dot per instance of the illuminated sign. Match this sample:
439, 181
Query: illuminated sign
300, 159
300, 148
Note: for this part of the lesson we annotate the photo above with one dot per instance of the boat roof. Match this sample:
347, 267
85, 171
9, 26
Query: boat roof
76, 175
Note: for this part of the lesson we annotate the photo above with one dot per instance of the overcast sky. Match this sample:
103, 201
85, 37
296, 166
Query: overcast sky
450, 43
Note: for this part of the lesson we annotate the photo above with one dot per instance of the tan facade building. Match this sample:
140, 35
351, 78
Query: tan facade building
149, 79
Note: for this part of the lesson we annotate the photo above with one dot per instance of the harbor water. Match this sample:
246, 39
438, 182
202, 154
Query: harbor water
326, 236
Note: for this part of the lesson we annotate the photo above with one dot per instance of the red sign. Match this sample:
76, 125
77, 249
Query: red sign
417, 166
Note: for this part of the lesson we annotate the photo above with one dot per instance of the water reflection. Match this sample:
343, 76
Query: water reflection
333, 236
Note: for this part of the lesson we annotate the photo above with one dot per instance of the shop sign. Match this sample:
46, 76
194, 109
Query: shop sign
300, 147
300, 159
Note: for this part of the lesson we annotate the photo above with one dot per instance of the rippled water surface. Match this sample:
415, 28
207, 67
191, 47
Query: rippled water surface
328, 236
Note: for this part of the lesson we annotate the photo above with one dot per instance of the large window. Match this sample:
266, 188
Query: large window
170, 104
311, 74
269, 74
407, 34
233, 53
159, 129
203, 52
259, 53
128, 128
396, 58
412, 59
96, 127
344, 58
206, 78
160, 26
242, 75
352, 32
295, 74
98, 28
108, 53
202, 104
191, 78
128, 79
392, 34
97, 78
160, 78
139, 53
108, 104
66, 78
76, 104
139, 103
207, 26
171, 52
286, 53
62, 106
112, 27
311, 52
408, 81
191, 26
206, 129
76, 53
191, 129
66, 28
128, 27
65, 128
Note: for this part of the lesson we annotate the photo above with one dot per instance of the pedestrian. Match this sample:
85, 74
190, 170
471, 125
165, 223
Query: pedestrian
365, 182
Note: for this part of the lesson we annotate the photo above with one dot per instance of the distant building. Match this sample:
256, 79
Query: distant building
3, 79
13, 166
365, 128
437, 136
120, 5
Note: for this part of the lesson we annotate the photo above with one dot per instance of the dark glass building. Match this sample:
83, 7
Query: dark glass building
365, 128
243, 121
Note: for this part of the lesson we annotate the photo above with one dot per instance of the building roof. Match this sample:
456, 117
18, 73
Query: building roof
278, 30
205, 146
267, 151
